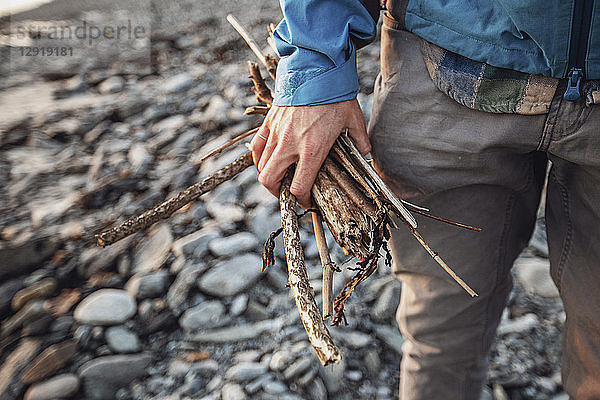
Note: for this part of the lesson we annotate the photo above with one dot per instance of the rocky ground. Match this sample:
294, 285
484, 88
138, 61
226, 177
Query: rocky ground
182, 311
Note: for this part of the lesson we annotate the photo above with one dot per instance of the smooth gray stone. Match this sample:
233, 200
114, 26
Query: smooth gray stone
238, 333
122, 340
168, 126
105, 307
333, 376
276, 387
238, 305
206, 315
232, 391
353, 339
195, 243
372, 361
178, 83
317, 390
114, 84
264, 220
534, 275
256, 312
225, 214
234, 244
298, 367
232, 276
280, 360
391, 337
25, 257
60, 386
245, 371
154, 250
227, 192
387, 302
7, 292
148, 286
180, 288
178, 368
518, 325
103, 376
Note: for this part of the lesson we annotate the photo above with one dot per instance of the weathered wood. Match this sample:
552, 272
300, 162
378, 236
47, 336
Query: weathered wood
263, 93
349, 226
351, 188
326, 263
311, 318
246, 36
230, 143
271, 63
345, 141
256, 110
166, 209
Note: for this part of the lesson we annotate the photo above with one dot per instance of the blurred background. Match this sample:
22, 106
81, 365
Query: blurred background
105, 110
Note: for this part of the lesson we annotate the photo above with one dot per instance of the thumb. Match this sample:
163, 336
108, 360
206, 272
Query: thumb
358, 133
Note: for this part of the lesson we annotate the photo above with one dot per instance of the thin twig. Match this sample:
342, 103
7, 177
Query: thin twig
166, 209
310, 315
349, 186
256, 110
419, 211
439, 260
263, 93
228, 144
348, 145
246, 36
326, 263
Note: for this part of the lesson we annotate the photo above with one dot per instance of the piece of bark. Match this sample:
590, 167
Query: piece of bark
349, 226
311, 318
351, 188
166, 209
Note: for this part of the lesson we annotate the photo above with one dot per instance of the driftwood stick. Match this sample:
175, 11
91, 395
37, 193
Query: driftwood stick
166, 209
230, 143
347, 144
263, 93
342, 158
349, 226
316, 330
254, 110
349, 186
271, 63
246, 36
327, 265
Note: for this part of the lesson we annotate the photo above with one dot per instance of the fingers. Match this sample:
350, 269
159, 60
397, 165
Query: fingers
269, 148
274, 170
304, 178
258, 143
358, 131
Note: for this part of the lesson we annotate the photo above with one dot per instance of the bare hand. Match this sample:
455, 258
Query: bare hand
303, 135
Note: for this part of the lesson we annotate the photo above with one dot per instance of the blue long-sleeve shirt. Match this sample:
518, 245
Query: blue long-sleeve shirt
316, 41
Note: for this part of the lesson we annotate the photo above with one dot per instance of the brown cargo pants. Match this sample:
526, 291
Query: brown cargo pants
487, 170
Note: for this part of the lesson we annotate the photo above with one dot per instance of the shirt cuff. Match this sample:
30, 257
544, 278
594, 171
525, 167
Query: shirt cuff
299, 88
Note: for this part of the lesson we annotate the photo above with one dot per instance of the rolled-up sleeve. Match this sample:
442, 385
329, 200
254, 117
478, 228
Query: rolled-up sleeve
316, 41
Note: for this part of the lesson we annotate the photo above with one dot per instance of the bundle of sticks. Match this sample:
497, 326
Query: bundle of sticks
348, 195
